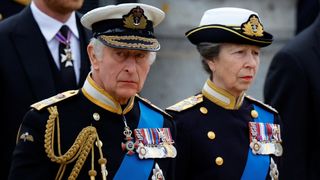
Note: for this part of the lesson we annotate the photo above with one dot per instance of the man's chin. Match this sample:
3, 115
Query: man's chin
127, 93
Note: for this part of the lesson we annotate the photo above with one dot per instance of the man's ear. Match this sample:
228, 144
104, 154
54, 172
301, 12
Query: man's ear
92, 56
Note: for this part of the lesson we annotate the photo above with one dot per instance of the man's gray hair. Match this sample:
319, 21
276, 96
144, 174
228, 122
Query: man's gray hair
98, 47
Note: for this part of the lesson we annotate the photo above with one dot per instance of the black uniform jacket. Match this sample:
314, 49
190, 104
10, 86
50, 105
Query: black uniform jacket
292, 86
213, 140
25, 72
30, 160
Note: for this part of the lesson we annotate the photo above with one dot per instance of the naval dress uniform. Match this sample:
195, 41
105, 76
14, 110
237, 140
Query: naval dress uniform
219, 137
82, 133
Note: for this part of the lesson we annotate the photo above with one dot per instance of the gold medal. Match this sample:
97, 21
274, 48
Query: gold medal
171, 150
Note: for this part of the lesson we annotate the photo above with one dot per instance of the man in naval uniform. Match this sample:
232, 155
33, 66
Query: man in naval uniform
221, 132
104, 130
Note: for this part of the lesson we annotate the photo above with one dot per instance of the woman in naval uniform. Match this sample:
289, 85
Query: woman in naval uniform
221, 132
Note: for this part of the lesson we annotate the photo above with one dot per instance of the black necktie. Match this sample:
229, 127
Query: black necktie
68, 77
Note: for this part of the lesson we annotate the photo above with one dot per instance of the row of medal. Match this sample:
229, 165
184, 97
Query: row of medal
265, 138
155, 143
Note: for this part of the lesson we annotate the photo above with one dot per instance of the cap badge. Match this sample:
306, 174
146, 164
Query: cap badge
135, 19
252, 27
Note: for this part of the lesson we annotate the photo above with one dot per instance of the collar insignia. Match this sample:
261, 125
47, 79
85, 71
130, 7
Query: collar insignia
252, 27
135, 19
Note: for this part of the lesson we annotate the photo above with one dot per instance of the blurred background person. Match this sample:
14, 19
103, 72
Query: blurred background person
37, 59
307, 12
221, 132
292, 86
11, 7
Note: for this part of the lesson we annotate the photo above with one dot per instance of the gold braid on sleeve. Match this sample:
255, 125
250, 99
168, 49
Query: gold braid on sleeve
79, 150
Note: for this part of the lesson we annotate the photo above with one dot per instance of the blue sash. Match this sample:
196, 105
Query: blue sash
132, 167
257, 165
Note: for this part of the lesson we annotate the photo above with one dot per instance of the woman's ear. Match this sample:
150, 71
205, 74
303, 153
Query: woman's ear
212, 65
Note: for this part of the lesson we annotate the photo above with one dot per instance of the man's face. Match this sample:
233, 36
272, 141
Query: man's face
63, 6
121, 72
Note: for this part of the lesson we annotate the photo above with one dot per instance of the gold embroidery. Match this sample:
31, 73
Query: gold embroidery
135, 19
114, 40
253, 27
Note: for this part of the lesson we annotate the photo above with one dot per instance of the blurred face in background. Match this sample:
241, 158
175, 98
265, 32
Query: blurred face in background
235, 68
59, 9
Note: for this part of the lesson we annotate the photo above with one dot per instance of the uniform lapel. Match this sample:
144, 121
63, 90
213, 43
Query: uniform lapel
34, 59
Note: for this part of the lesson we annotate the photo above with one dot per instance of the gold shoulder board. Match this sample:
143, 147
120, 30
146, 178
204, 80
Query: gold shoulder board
152, 105
186, 103
49, 101
262, 104
23, 2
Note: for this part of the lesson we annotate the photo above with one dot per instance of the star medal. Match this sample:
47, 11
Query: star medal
67, 57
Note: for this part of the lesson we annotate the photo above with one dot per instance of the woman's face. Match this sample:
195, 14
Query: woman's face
235, 67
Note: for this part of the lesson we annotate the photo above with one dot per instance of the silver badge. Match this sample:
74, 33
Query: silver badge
274, 173
157, 173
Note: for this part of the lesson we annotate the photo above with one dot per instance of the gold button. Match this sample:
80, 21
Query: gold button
211, 135
203, 110
0, 17
96, 116
219, 161
254, 114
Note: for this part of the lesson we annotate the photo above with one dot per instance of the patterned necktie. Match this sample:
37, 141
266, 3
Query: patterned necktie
67, 73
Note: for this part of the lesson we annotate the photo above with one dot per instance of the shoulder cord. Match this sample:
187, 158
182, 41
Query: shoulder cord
79, 150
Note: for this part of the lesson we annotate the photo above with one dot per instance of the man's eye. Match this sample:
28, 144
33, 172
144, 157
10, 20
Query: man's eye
140, 55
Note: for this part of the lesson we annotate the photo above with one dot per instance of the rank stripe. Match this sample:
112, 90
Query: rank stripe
132, 167
257, 166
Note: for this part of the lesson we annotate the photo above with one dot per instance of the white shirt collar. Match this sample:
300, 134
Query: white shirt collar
50, 26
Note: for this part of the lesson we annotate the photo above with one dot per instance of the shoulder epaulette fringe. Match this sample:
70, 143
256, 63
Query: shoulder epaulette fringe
54, 99
262, 104
186, 103
152, 105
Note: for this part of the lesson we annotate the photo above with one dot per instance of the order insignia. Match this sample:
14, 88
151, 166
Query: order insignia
135, 19
252, 27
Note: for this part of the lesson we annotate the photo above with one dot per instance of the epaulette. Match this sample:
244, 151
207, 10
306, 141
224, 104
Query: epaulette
54, 99
152, 105
23, 2
186, 103
262, 104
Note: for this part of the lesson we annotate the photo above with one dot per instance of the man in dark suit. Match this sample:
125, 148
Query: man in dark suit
307, 11
29, 57
292, 86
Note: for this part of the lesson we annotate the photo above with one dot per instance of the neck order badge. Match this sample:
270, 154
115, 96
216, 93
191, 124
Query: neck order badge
66, 62
63, 36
